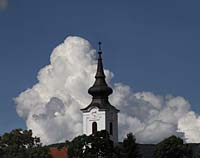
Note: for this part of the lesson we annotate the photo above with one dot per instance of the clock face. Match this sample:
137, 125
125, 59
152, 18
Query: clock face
94, 113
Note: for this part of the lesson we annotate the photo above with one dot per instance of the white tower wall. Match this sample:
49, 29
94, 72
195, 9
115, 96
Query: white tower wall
94, 115
103, 120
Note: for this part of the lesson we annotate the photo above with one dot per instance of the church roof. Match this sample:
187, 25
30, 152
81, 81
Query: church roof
100, 90
59, 153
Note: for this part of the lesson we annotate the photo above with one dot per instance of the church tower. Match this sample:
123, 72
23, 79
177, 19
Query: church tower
100, 114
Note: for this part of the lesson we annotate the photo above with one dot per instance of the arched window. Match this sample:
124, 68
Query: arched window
94, 127
111, 128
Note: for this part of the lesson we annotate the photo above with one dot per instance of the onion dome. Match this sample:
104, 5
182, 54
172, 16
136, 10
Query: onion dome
100, 88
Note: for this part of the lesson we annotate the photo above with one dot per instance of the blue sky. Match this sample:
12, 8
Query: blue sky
151, 46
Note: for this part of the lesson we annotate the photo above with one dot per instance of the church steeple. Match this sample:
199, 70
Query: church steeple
100, 88
100, 114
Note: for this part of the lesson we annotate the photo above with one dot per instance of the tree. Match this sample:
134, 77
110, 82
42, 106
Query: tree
21, 144
196, 155
173, 147
93, 146
101, 144
196, 150
129, 148
77, 147
117, 153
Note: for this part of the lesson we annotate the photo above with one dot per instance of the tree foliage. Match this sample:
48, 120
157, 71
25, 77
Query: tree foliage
93, 146
99, 145
173, 147
21, 144
128, 148
77, 147
196, 155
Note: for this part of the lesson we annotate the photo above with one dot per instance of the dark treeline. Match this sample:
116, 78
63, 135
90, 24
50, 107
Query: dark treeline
21, 144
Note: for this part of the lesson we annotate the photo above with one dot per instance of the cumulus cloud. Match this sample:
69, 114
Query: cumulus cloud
190, 126
150, 117
3, 4
51, 108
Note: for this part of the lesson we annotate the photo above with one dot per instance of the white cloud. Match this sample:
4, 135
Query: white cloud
150, 117
190, 126
51, 108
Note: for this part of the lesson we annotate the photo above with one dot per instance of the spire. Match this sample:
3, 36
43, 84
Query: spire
100, 88
100, 71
